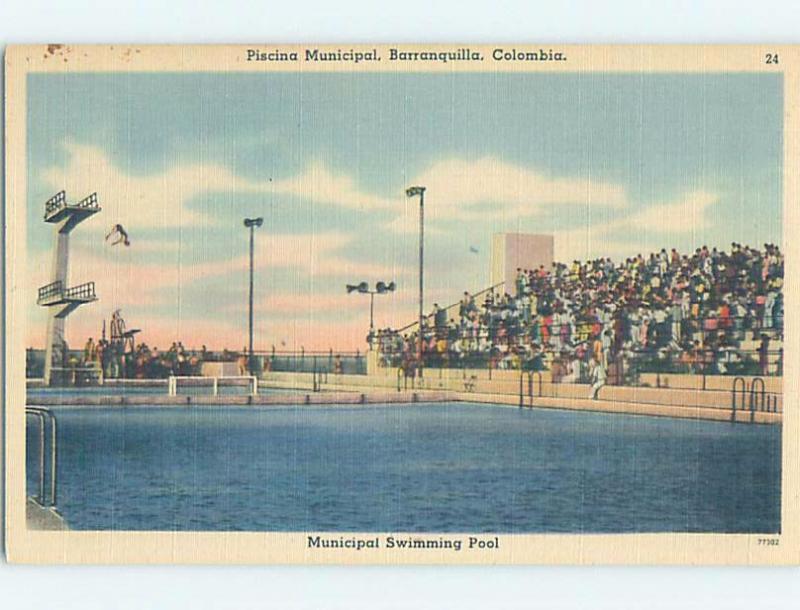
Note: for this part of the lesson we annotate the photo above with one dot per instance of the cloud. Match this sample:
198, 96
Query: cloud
457, 186
319, 184
318, 254
685, 215
140, 201
158, 200
407, 224
644, 229
457, 189
122, 281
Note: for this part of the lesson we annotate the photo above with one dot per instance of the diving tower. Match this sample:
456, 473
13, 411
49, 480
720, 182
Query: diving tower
57, 296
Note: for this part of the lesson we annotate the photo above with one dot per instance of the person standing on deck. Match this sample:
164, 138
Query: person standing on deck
763, 354
597, 373
89, 352
242, 362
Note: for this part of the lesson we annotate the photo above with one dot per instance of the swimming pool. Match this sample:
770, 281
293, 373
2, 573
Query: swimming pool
450, 467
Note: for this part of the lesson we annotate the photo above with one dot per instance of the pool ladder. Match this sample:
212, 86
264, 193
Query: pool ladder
756, 399
319, 376
46, 494
529, 375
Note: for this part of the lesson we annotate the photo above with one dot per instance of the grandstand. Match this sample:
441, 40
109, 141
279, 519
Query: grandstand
710, 312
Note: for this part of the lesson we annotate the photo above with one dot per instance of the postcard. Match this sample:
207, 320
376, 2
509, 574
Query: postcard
402, 304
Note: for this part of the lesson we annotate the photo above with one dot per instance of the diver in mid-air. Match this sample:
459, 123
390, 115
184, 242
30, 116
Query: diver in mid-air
121, 233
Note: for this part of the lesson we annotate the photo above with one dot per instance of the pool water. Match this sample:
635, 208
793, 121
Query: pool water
412, 468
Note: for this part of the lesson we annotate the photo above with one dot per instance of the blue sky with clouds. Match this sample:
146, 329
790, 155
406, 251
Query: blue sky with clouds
610, 164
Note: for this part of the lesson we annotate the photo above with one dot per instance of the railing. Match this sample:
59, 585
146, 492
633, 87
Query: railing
755, 396
50, 290
346, 363
166, 363
200, 381
43, 415
583, 330
739, 389
55, 203
318, 378
529, 375
757, 399
451, 306
81, 292
661, 342
58, 202
729, 362
89, 202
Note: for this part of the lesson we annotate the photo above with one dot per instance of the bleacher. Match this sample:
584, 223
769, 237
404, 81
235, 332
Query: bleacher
709, 313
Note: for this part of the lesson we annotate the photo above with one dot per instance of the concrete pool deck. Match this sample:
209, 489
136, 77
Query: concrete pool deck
713, 404
327, 397
39, 517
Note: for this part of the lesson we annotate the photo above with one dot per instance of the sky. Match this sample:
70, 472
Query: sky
610, 164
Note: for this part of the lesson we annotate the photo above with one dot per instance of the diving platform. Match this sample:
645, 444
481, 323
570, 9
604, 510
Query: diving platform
55, 293
57, 296
57, 210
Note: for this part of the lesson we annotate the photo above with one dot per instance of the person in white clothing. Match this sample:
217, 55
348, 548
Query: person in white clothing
598, 376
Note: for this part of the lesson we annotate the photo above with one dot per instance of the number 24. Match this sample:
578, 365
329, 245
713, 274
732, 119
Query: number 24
771, 58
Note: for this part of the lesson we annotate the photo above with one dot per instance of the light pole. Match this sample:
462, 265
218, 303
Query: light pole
251, 223
413, 191
363, 288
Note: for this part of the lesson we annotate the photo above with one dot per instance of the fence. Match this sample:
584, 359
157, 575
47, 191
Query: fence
721, 346
449, 309
628, 366
175, 382
349, 363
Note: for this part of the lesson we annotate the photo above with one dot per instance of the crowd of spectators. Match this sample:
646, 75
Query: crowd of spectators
709, 312
120, 361
143, 362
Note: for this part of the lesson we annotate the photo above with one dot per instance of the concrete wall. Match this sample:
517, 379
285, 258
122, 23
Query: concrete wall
507, 383
711, 382
519, 250
220, 369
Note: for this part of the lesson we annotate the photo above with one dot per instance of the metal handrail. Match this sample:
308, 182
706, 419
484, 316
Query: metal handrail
196, 380
88, 202
538, 375
51, 289
42, 415
59, 201
55, 203
646, 361
530, 376
449, 307
320, 377
733, 395
754, 395
81, 291
56, 289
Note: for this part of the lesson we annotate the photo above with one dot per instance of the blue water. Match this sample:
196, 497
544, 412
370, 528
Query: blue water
443, 468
